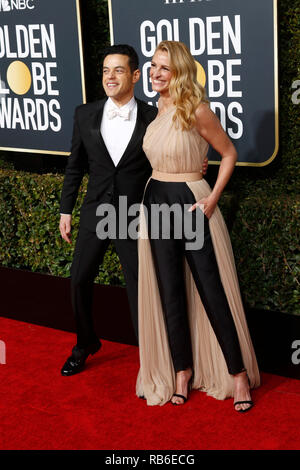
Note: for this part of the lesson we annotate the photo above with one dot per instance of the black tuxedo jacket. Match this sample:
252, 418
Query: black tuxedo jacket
106, 181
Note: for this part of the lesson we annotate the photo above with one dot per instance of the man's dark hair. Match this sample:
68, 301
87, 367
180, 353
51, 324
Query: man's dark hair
124, 49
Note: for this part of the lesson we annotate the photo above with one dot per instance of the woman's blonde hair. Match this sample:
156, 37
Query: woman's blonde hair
185, 90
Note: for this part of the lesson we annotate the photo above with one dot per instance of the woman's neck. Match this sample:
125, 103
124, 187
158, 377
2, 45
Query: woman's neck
164, 103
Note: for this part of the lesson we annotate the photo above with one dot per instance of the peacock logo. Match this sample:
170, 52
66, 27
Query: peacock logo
5, 5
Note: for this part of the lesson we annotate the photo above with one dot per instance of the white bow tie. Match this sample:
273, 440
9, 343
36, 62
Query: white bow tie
122, 113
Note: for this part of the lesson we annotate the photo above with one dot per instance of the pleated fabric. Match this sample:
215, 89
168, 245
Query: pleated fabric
174, 151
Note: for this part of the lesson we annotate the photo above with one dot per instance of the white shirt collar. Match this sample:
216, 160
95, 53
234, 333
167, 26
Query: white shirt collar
130, 105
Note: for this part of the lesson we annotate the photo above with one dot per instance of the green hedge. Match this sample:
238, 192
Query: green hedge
264, 239
29, 234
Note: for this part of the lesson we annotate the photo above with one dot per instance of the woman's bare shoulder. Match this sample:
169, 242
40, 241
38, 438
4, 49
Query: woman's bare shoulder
205, 117
203, 111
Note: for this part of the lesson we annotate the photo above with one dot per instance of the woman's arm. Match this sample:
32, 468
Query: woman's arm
209, 127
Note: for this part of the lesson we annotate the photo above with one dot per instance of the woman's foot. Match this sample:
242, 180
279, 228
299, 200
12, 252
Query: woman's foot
183, 378
242, 392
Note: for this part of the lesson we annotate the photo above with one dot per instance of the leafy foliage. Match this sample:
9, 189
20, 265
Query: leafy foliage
29, 235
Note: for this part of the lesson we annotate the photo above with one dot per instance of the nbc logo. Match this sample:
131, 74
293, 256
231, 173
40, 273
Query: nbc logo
4, 5
9, 5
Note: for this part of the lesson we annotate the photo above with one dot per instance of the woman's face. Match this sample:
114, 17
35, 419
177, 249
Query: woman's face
160, 72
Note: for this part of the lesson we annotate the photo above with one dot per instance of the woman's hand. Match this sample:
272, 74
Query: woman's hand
206, 204
204, 166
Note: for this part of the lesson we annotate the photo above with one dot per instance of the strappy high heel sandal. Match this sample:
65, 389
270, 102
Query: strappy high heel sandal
244, 402
250, 402
185, 398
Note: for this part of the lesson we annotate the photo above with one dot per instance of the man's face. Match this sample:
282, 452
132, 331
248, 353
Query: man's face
118, 79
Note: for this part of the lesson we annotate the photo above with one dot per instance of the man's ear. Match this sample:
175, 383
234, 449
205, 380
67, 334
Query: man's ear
136, 76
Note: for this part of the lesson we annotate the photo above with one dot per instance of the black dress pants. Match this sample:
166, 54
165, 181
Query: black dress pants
88, 256
168, 255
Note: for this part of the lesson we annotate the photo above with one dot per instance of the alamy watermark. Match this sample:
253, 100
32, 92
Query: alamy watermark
2, 352
165, 222
296, 354
296, 94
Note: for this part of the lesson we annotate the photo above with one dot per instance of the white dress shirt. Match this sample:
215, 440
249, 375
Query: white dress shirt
116, 130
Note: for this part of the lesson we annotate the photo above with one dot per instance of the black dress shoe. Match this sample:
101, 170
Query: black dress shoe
75, 363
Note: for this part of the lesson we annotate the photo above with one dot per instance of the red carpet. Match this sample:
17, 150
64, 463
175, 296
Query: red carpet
98, 409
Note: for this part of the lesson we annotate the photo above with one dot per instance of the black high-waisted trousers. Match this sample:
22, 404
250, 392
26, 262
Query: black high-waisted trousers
168, 255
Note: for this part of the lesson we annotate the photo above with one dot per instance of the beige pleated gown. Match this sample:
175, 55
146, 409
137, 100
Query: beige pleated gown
173, 151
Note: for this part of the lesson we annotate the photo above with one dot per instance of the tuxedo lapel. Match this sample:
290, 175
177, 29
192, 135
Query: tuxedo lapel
96, 118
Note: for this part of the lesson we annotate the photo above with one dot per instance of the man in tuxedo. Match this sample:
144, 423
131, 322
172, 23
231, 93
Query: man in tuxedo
107, 140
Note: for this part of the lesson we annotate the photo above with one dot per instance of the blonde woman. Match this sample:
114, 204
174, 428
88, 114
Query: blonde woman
192, 327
